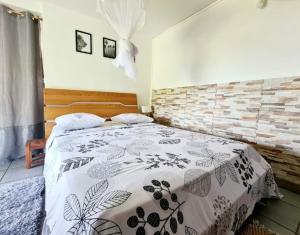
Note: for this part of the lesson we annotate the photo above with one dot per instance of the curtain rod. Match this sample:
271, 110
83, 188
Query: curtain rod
21, 14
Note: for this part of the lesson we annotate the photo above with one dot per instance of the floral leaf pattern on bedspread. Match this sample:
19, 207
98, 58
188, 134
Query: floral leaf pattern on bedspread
156, 161
269, 178
73, 163
95, 201
169, 141
245, 168
190, 231
223, 212
166, 133
169, 202
197, 182
239, 217
134, 148
150, 179
230, 171
219, 161
105, 170
209, 158
92, 144
114, 152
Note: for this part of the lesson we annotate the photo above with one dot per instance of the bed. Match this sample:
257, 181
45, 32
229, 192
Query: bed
150, 179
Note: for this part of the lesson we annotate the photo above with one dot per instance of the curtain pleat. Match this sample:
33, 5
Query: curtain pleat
21, 84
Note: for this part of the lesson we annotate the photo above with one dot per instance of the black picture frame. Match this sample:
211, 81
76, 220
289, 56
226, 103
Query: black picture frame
84, 39
109, 52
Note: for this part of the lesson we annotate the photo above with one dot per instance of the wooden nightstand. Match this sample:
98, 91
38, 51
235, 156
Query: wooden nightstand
32, 159
162, 121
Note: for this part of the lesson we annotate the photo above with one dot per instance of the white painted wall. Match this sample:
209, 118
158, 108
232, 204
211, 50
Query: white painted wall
231, 40
68, 69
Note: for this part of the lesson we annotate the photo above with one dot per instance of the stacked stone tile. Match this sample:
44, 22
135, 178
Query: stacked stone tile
266, 112
199, 108
171, 104
263, 112
237, 108
279, 116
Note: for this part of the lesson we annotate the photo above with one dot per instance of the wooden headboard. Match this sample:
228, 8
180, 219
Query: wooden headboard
58, 102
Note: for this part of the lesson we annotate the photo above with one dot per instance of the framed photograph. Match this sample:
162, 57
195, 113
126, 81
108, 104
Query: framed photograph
83, 42
109, 48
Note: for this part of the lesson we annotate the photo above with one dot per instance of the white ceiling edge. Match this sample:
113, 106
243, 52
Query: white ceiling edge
161, 14
176, 12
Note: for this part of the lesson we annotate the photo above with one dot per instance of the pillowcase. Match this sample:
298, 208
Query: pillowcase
132, 118
76, 121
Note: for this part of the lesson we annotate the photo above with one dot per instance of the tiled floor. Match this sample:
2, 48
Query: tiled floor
16, 171
281, 216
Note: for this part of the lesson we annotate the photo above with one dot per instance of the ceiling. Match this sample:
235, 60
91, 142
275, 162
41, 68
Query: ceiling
161, 14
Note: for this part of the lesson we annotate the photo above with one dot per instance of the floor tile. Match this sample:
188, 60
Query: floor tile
275, 227
2, 174
290, 197
14, 174
281, 213
4, 166
18, 163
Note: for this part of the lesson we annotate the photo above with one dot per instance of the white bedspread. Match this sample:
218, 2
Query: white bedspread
150, 179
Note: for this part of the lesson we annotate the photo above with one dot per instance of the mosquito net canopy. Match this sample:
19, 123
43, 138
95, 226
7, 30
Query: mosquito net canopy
126, 17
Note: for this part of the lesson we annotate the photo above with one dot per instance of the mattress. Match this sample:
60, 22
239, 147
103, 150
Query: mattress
150, 179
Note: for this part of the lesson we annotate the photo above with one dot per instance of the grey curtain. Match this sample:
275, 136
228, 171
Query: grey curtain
21, 83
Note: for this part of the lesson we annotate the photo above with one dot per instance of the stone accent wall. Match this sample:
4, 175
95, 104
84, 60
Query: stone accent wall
236, 110
279, 116
266, 112
171, 103
199, 109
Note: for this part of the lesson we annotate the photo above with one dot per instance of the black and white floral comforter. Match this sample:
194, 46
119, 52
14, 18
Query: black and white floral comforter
151, 179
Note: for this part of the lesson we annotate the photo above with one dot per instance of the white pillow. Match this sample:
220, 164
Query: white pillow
76, 121
132, 118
